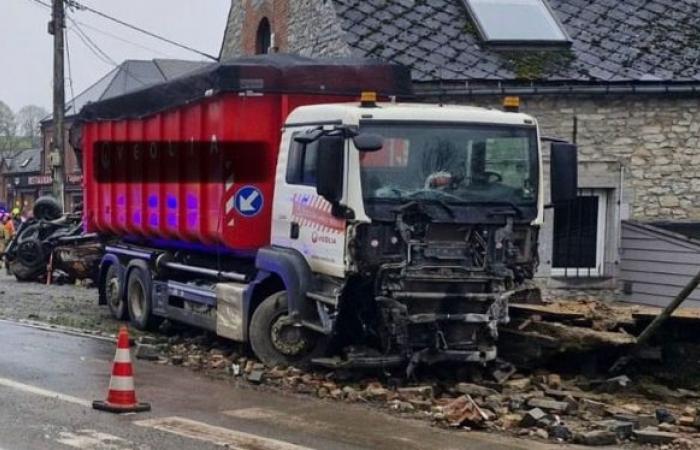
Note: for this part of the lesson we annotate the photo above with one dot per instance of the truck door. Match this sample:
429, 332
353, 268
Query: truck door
302, 219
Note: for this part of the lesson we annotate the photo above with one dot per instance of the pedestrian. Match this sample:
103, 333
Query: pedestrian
16, 218
5, 234
8, 228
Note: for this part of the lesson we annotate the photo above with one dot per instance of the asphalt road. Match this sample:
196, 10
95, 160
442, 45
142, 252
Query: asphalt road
48, 380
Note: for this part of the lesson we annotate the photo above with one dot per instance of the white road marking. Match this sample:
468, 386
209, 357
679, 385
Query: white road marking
223, 437
57, 329
44, 392
93, 440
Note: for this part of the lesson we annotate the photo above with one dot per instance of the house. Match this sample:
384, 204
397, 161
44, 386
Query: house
6, 158
619, 78
25, 179
129, 76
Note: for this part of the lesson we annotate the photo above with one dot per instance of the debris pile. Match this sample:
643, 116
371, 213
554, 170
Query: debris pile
537, 404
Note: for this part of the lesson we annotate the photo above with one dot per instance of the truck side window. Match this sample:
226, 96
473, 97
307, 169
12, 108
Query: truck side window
301, 165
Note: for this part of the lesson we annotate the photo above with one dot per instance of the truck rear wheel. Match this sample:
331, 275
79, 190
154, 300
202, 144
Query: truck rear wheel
277, 341
139, 301
114, 293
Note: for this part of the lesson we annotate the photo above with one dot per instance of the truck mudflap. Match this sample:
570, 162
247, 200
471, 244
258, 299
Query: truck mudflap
442, 350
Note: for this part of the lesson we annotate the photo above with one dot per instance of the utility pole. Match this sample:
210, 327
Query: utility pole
56, 27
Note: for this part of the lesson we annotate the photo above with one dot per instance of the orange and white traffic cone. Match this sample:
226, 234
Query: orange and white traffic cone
121, 397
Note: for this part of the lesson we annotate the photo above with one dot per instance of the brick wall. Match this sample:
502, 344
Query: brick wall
306, 27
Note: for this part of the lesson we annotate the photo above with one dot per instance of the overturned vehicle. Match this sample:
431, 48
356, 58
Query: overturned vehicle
52, 243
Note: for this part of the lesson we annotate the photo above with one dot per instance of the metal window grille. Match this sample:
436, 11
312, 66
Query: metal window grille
578, 236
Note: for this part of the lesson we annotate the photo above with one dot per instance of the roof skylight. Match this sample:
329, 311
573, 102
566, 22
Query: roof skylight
517, 22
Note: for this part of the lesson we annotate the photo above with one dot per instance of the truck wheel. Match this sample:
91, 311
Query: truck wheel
139, 303
279, 343
114, 294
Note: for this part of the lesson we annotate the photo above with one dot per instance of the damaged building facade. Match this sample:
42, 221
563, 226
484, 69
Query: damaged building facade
621, 79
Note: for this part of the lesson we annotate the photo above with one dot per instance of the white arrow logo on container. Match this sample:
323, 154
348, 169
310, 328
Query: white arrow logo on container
246, 204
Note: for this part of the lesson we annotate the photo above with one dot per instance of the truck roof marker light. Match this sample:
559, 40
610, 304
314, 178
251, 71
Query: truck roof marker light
368, 99
511, 104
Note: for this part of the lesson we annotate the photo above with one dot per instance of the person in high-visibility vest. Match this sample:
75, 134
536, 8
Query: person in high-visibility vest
8, 230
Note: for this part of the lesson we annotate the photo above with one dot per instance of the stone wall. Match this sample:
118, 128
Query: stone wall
305, 27
655, 139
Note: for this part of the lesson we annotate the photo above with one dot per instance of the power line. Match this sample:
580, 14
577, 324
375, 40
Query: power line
95, 51
104, 56
70, 69
80, 6
86, 40
42, 3
113, 36
94, 48
126, 41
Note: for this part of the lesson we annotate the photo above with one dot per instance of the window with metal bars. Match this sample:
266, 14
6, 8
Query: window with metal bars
578, 243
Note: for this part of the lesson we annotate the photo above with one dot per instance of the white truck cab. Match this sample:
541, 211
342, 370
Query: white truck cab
410, 130
421, 219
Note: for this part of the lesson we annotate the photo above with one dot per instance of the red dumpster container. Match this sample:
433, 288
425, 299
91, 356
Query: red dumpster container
166, 163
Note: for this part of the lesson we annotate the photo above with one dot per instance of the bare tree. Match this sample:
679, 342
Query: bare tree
28, 119
8, 127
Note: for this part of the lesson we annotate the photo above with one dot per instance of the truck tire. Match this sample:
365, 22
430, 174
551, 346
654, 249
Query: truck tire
47, 208
139, 301
114, 293
280, 344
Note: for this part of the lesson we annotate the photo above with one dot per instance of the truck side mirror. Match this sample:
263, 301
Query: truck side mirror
563, 178
330, 167
368, 142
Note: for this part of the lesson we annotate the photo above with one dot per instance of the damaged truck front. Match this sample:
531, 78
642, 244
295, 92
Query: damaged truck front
440, 207
260, 200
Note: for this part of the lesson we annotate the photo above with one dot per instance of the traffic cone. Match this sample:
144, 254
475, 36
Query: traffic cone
121, 397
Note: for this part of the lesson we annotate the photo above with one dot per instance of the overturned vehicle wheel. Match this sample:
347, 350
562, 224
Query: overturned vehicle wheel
47, 208
30, 258
279, 342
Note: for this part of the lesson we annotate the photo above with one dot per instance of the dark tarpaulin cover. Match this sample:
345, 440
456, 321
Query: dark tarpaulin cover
274, 73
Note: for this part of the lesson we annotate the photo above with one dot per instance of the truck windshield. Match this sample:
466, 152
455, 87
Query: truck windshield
461, 164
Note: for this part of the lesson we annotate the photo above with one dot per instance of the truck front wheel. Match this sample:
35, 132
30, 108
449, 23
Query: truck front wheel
279, 342
139, 302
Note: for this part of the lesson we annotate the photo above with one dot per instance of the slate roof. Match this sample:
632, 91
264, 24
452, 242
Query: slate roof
614, 41
129, 76
25, 161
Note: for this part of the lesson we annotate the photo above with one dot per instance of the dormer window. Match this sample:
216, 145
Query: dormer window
517, 23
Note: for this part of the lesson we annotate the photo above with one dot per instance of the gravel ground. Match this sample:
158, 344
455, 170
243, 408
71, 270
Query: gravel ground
67, 305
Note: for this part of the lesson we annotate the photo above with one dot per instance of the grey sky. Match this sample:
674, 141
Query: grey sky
26, 47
